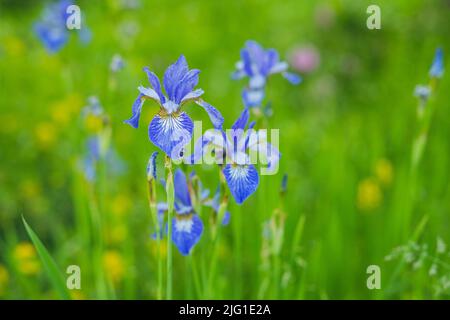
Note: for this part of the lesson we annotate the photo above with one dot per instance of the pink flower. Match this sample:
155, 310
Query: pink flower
305, 59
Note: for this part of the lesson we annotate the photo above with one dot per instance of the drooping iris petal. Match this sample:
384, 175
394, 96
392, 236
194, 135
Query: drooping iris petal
279, 67
238, 74
214, 115
186, 232
195, 94
292, 77
242, 181
173, 75
156, 85
149, 93
136, 110
181, 188
186, 85
171, 132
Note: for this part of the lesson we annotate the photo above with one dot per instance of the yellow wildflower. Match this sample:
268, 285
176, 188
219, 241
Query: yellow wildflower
29, 189
118, 234
113, 265
45, 134
121, 205
384, 172
26, 259
4, 278
369, 195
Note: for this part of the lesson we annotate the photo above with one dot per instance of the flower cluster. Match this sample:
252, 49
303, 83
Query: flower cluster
171, 129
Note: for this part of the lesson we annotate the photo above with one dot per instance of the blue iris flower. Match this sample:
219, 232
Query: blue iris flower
51, 29
258, 64
171, 129
437, 68
232, 147
187, 227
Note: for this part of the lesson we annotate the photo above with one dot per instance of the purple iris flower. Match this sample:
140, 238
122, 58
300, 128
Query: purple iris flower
258, 64
171, 128
51, 29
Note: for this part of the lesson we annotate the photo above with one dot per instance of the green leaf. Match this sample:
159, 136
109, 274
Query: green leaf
50, 266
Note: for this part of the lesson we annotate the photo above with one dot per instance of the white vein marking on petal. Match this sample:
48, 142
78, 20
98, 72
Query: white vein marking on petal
239, 173
184, 225
172, 123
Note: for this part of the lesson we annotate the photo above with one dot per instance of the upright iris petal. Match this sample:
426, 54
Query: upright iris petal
183, 204
171, 128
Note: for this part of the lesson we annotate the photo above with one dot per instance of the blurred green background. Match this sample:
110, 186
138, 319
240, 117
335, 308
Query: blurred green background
346, 135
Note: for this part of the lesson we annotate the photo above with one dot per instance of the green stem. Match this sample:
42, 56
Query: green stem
170, 204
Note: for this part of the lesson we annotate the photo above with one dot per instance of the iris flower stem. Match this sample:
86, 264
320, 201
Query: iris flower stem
194, 270
170, 191
216, 236
154, 214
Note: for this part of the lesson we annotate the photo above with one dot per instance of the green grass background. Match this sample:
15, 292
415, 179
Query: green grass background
356, 108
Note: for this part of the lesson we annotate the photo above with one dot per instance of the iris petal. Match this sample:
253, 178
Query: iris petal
195, 94
242, 181
173, 75
281, 66
214, 115
186, 85
186, 232
154, 81
149, 93
252, 98
292, 77
136, 110
241, 122
171, 132
271, 59
181, 188
247, 62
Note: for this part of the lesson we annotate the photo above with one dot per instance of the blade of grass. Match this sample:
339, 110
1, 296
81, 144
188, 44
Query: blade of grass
49, 264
